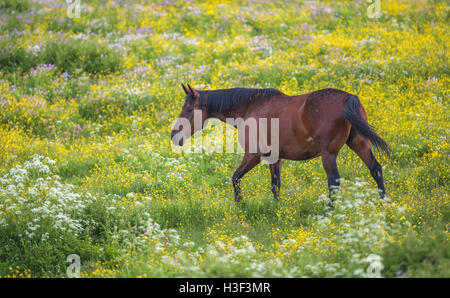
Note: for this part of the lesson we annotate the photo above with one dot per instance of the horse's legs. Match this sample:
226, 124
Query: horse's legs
361, 146
275, 173
248, 163
330, 166
329, 149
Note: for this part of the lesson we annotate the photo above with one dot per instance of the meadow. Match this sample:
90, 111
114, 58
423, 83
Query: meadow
87, 166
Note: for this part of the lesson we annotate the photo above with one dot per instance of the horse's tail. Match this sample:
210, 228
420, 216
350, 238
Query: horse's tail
352, 113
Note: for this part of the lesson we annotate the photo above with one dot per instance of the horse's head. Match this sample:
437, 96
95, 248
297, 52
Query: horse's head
191, 118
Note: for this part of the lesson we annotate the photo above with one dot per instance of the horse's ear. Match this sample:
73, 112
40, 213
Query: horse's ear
190, 88
193, 91
184, 88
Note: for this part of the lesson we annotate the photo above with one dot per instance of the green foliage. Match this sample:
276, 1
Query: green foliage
72, 56
15, 5
427, 255
14, 57
95, 97
78, 56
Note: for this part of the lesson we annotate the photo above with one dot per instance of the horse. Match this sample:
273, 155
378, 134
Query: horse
310, 125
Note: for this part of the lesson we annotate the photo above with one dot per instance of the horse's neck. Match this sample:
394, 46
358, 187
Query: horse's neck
233, 113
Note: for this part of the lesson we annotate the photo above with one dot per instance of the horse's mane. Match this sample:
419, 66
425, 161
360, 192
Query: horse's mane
224, 99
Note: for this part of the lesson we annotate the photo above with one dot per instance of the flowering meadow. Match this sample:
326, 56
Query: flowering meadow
88, 94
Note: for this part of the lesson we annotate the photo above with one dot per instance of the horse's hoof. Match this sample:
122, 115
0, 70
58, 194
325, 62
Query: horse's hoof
331, 203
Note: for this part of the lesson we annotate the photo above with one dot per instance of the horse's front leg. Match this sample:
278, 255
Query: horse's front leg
275, 173
249, 162
330, 166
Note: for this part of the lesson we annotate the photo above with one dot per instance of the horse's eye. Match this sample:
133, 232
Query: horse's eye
189, 110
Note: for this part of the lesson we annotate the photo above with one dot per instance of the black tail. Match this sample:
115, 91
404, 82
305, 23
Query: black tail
352, 113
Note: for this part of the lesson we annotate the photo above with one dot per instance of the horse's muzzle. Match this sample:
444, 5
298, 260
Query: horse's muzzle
177, 139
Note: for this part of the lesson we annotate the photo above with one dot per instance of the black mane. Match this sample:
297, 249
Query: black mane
224, 99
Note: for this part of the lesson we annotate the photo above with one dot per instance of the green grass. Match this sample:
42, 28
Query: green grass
87, 166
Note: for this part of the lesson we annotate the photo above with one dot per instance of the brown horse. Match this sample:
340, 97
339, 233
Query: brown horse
310, 125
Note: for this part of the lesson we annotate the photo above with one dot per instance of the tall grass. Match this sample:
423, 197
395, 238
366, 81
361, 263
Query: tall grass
87, 167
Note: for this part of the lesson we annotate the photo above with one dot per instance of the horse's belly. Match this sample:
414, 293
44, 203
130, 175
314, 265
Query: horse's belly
299, 150
299, 155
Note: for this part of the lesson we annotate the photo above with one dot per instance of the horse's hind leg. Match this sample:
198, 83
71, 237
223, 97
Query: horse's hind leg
361, 146
275, 172
248, 163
